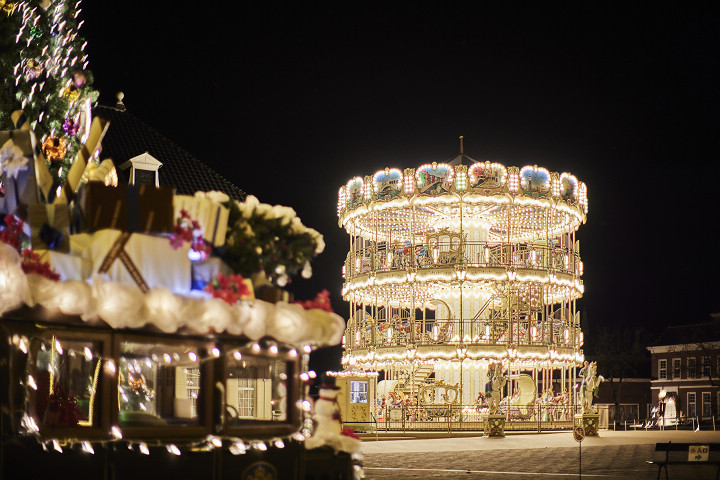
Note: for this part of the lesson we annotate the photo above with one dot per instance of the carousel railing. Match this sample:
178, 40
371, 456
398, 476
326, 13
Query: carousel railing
473, 254
370, 333
455, 417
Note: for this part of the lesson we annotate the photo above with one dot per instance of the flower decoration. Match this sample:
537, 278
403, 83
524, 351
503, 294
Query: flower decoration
54, 148
11, 233
32, 69
188, 230
31, 263
70, 127
229, 288
321, 301
269, 239
12, 159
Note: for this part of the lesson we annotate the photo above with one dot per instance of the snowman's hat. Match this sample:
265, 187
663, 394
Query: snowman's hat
328, 382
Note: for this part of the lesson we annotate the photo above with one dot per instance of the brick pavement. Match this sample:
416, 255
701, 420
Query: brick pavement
609, 457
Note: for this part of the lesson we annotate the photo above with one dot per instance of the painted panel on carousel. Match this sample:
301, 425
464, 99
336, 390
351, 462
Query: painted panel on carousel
387, 183
354, 192
434, 179
568, 186
535, 180
487, 175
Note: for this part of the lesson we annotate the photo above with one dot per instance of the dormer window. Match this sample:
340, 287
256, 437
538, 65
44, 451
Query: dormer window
143, 170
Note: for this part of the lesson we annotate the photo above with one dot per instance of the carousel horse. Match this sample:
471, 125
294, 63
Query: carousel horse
481, 404
396, 399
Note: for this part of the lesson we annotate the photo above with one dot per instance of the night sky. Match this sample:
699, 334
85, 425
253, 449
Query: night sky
290, 103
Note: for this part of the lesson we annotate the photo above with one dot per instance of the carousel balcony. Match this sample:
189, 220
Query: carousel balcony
365, 335
363, 262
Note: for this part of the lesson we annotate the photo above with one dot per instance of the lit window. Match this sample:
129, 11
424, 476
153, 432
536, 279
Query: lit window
256, 388
662, 369
65, 379
691, 367
706, 404
158, 384
692, 412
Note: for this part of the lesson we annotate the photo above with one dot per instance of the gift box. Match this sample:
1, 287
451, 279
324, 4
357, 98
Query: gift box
146, 260
212, 216
98, 128
99, 207
49, 227
204, 271
131, 208
68, 266
23, 170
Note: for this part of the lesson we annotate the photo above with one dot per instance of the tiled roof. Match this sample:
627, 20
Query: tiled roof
128, 137
692, 333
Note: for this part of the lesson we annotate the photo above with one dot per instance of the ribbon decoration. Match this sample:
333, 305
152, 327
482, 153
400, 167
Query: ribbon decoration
49, 227
51, 237
43, 177
118, 251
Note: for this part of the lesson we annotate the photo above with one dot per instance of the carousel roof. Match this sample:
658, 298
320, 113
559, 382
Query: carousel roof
462, 159
128, 137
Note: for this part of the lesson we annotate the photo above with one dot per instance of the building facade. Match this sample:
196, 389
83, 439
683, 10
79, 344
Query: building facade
686, 371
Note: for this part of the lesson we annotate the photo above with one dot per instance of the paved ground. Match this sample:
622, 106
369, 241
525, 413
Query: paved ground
530, 456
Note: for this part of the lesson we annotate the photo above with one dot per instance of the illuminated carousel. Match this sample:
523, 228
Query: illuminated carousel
457, 268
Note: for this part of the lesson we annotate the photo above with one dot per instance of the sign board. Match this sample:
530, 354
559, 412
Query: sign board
579, 433
699, 453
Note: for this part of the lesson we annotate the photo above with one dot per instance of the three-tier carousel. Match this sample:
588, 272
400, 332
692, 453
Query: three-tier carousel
457, 267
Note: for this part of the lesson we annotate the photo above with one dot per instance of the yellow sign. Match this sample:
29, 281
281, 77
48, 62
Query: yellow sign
699, 453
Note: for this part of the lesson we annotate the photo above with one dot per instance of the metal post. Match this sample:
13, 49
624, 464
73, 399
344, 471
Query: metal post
580, 458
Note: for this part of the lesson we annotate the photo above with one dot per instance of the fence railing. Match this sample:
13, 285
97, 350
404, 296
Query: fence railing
364, 333
473, 254
449, 418
544, 417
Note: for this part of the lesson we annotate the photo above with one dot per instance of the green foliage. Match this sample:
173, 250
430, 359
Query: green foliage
48, 96
267, 239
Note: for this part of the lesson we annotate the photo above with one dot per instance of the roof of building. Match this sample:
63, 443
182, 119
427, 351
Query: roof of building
128, 137
691, 333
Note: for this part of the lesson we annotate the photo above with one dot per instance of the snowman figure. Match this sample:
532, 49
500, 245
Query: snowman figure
328, 424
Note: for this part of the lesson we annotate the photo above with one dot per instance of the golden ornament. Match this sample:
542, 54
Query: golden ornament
54, 148
71, 93
8, 7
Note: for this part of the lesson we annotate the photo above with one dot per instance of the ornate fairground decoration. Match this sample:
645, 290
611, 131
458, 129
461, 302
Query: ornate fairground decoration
434, 179
535, 180
487, 175
568, 186
354, 192
387, 183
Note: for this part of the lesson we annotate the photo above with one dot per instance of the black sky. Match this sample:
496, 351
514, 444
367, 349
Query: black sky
290, 102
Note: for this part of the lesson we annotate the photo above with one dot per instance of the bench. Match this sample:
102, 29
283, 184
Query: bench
687, 454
